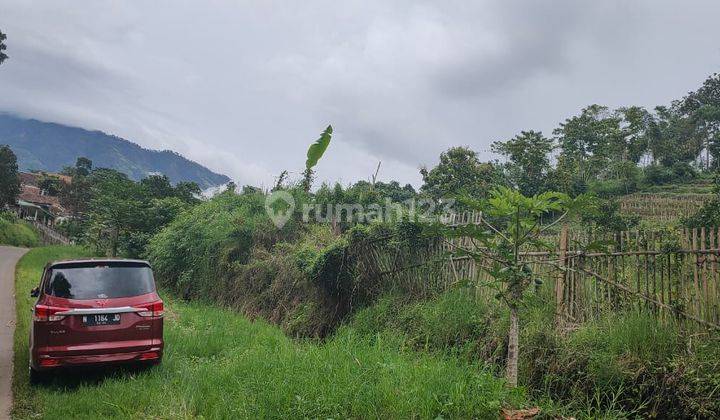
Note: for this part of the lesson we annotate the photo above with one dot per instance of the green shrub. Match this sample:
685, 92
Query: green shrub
612, 187
16, 233
623, 364
657, 175
189, 254
605, 216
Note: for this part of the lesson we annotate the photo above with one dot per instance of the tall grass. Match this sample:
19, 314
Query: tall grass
621, 365
16, 233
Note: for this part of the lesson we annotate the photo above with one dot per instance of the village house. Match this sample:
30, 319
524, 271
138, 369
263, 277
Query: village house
37, 204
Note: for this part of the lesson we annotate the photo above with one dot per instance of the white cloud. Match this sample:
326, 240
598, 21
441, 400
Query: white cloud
244, 88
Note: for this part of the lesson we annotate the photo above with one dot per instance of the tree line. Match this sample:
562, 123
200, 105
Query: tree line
601, 150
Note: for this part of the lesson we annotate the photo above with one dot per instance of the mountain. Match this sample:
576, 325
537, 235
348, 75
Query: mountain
50, 147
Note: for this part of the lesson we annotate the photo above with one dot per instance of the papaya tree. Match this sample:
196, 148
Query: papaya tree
511, 224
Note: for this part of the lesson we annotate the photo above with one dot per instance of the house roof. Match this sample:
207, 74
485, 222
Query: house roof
32, 194
33, 178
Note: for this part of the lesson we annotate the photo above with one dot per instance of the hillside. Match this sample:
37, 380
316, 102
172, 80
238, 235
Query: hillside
50, 147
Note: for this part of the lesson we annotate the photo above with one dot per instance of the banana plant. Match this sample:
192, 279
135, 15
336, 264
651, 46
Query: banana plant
314, 153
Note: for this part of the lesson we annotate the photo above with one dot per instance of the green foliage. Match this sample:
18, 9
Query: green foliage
528, 161
9, 181
511, 221
16, 233
621, 365
187, 253
314, 153
245, 369
51, 185
701, 110
460, 173
709, 214
317, 149
633, 363
620, 178
366, 202
117, 216
453, 323
605, 216
514, 222
657, 175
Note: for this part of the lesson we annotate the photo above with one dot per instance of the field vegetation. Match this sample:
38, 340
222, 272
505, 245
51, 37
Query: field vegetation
219, 364
350, 344
15, 232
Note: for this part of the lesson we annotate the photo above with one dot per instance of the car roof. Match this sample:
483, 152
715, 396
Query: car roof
91, 261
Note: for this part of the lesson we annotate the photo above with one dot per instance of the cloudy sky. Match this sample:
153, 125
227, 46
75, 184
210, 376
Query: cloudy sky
244, 87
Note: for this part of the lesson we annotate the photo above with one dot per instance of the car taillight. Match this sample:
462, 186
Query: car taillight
151, 355
152, 309
44, 313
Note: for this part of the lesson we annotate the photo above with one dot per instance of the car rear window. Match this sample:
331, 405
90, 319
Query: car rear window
100, 281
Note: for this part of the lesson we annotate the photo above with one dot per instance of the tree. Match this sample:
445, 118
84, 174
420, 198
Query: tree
511, 222
589, 141
116, 206
51, 185
702, 110
83, 166
459, 173
158, 186
3, 47
188, 191
528, 160
634, 131
76, 195
9, 181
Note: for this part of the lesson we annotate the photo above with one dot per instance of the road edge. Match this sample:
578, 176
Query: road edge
8, 267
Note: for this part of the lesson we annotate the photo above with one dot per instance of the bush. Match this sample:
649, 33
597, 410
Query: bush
621, 365
191, 252
226, 250
683, 171
707, 216
611, 188
17, 233
657, 175
605, 216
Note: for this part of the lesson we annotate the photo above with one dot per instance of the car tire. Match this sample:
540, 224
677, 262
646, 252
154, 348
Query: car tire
37, 377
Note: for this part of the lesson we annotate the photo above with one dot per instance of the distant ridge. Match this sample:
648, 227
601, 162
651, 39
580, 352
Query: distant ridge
50, 147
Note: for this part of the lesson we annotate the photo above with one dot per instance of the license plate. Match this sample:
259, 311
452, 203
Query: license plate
101, 319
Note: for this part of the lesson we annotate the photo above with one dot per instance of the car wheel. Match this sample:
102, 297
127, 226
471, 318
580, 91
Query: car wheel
37, 377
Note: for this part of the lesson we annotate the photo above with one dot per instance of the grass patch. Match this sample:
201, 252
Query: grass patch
618, 366
17, 233
219, 364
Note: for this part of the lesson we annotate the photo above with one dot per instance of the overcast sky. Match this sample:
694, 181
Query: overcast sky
244, 87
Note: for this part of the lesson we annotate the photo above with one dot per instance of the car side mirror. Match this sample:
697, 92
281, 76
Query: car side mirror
35, 292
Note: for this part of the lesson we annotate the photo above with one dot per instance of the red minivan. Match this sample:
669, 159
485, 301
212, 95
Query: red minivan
94, 312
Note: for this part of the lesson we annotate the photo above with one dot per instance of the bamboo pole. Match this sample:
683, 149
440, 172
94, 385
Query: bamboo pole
560, 278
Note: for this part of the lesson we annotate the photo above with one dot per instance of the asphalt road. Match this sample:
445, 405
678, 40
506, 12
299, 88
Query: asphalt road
8, 257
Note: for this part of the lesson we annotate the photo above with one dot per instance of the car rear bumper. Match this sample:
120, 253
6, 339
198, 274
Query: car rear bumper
96, 354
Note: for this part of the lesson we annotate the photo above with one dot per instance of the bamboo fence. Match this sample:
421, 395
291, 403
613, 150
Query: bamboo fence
673, 275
